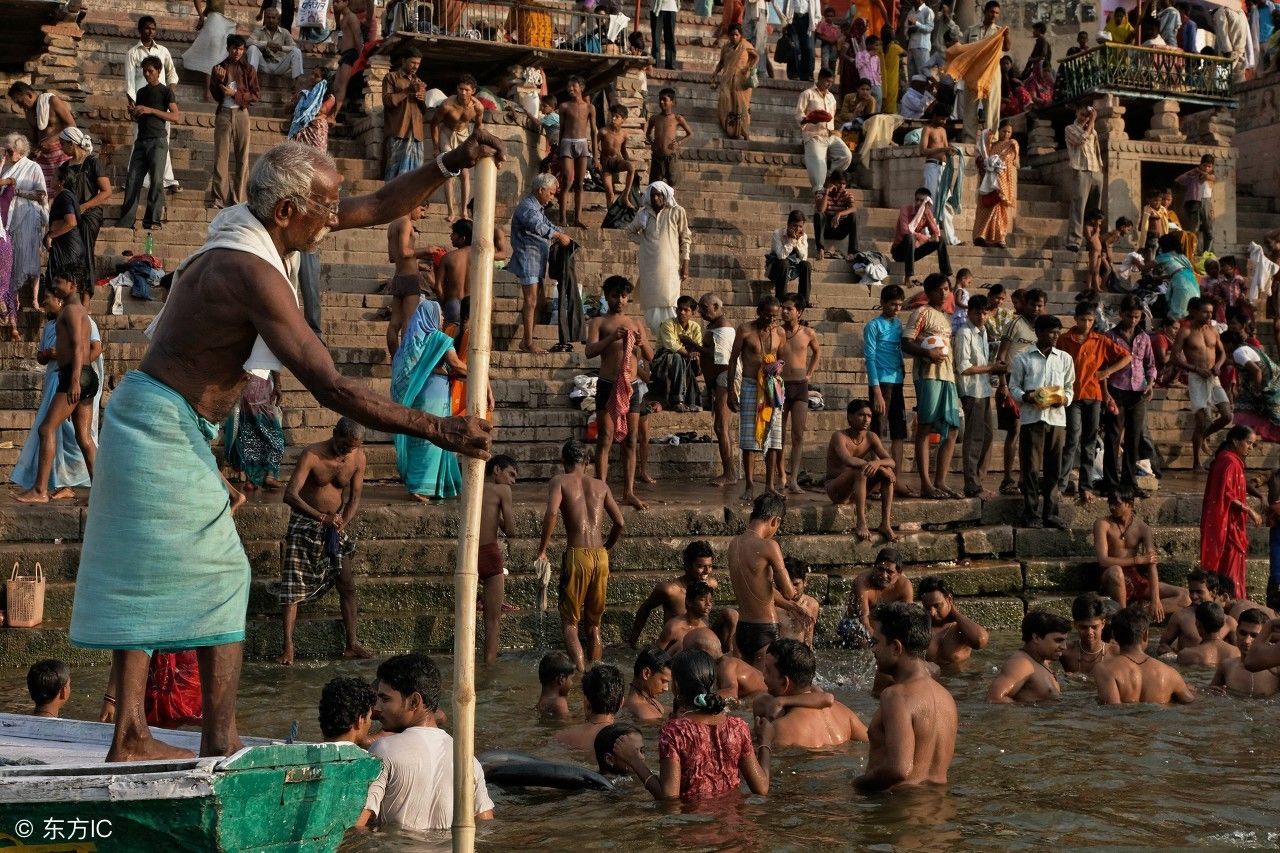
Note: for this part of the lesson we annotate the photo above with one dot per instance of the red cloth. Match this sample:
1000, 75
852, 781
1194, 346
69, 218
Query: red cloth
1224, 536
620, 402
708, 755
174, 697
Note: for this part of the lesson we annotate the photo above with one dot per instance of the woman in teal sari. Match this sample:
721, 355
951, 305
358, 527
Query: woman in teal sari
420, 380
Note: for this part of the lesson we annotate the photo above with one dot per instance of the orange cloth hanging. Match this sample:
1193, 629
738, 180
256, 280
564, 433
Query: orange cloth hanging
977, 63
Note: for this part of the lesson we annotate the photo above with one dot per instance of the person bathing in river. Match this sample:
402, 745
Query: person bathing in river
1181, 631
759, 577
1213, 646
955, 636
1027, 676
735, 678
803, 716
606, 746
698, 601
883, 583
857, 462
1089, 616
1132, 676
798, 571
651, 677
497, 513
602, 693
698, 559
555, 673
346, 711
1126, 554
1232, 676
49, 686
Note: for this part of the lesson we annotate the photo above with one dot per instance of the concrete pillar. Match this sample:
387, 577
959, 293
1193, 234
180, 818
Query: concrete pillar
1165, 126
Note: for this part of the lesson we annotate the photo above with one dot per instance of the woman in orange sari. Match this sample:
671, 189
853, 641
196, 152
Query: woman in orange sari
998, 190
732, 77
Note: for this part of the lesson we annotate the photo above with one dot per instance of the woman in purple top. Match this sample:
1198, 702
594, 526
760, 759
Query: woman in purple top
1125, 420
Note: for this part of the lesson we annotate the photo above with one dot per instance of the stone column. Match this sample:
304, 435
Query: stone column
1165, 126
369, 130
1110, 124
1041, 138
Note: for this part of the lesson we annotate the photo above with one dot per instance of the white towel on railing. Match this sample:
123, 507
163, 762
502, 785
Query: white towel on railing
1261, 271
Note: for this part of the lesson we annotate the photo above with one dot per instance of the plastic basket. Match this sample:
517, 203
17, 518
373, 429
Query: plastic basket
25, 596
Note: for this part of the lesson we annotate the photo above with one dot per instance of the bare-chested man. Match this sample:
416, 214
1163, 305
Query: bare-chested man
577, 147
955, 636
451, 275
799, 629
1198, 350
405, 288
1181, 630
699, 564
1027, 676
698, 601
883, 583
350, 43
1262, 659
323, 496
935, 149
45, 124
651, 677
759, 578
735, 678
800, 354
757, 345
662, 132
457, 117
496, 514
1089, 616
78, 385
1213, 646
913, 734
1232, 676
1125, 549
716, 351
1133, 676
857, 461
584, 570
602, 688
803, 716
614, 158
615, 338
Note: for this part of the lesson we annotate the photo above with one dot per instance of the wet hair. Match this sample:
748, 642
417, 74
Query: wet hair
935, 583
694, 674
606, 739
412, 673
1085, 309
343, 701
71, 272
1210, 616
906, 623
797, 569
697, 589
1129, 624
1042, 623
617, 284
1088, 605
553, 667
765, 304
46, 679
696, 550
144, 21
891, 292
1123, 222
463, 229
795, 660
574, 453
1047, 323
934, 282
651, 658
1253, 616
768, 506
602, 687
687, 302
666, 92
234, 41
889, 555
501, 462
1120, 496
348, 429
978, 302
619, 111
152, 62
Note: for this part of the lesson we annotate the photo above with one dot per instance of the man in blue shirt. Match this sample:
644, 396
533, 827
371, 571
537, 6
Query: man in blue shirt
531, 236
882, 350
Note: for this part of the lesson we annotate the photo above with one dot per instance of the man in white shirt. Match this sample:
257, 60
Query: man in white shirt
273, 51
415, 788
1043, 422
820, 138
133, 81
919, 37
977, 400
803, 16
788, 258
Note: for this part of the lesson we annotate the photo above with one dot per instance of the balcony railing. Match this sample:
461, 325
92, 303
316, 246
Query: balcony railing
1145, 72
515, 23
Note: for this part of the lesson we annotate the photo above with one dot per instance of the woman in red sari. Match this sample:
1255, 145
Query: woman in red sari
1225, 512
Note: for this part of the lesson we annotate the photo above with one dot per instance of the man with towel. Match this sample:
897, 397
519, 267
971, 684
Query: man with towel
758, 344
162, 566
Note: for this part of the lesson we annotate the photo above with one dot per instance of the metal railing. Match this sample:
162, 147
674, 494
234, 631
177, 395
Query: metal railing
1144, 72
516, 23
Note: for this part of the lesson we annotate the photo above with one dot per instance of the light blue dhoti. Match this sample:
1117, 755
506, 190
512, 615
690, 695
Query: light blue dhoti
162, 566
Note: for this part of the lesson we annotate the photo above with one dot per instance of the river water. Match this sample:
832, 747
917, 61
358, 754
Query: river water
1068, 775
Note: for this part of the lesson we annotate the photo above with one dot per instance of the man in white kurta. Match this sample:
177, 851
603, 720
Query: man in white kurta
661, 230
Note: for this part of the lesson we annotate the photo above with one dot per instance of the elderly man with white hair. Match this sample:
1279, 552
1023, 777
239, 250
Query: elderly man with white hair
157, 492
531, 236
22, 180
661, 230
273, 51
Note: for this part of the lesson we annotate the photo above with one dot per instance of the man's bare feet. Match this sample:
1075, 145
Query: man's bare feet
532, 349
355, 651
862, 533
31, 496
146, 749
272, 484
887, 532
631, 499
775, 491
934, 494
721, 482
795, 488
748, 495
286, 658
645, 477
63, 494
901, 490
949, 492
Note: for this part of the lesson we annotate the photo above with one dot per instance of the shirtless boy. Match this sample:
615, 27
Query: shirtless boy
614, 159
698, 601
651, 677
857, 460
1126, 554
1263, 655
323, 496
451, 275
758, 575
555, 673
1027, 676
1094, 223
799, 355
1133, 676
883, 583
577, 146
405, 287
602, 692
584, 570
1198, 350
735, 678
1181, 630
78, 386
1089, 616
716, 350
496, 514
350, 43
699, 563
1232, 676
955, 636
459, 116
614, 338
662, 132
789, 628
1213, 647
754, 344
915, 710
803, 716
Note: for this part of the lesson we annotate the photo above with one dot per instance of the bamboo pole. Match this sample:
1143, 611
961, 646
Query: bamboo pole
480, 289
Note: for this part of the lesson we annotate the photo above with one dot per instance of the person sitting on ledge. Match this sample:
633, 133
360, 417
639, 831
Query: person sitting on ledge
1126, 554
651, 677
857, 461
955, 636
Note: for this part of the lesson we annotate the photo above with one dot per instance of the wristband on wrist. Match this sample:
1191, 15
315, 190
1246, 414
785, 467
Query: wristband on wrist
444, 170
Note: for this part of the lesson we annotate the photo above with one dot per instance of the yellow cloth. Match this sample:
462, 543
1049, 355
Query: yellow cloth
764, 399
976, 63
670, 331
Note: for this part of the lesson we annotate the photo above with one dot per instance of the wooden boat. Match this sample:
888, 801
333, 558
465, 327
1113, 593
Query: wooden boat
58, 795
